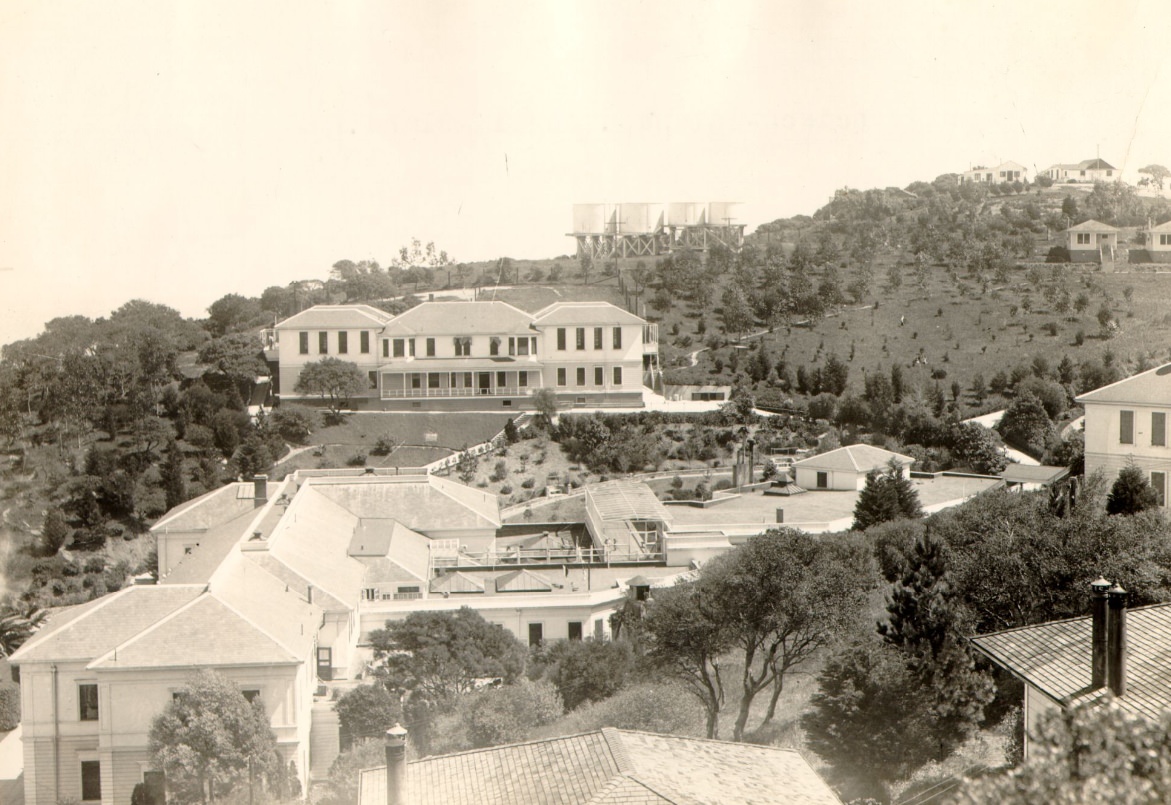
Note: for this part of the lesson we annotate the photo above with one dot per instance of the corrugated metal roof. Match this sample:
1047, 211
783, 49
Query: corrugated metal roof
1056, 659
610, 766
627, 500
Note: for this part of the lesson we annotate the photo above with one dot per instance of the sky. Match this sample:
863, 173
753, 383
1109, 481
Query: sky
180, 151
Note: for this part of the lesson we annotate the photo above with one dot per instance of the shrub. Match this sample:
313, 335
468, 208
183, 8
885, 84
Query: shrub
662, 707
294, 423
384, 445
1079, 338
1057, 254
724, 483
9, 706
528, 483
356, 460
506, 490
499, 472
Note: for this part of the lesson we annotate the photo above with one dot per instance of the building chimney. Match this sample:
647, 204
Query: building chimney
1098, 617
1116, 641
260, 489
309, 593
396, 765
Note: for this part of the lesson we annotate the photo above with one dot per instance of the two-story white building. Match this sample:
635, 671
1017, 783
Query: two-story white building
1126, 422
482, 355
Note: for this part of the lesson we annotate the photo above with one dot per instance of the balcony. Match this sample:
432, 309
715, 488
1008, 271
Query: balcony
448, 392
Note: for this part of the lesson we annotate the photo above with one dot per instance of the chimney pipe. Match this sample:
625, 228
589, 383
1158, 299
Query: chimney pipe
309, 593
396, 765
1098, 617
1116, 643
260, 489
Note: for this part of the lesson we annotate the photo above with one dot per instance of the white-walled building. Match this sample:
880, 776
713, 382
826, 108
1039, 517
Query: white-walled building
482, 355
1088, 170
846, 467
1004, 172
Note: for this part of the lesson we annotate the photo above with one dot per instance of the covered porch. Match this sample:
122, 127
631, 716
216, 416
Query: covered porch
441, 379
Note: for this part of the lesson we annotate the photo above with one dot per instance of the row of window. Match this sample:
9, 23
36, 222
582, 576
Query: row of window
462, 346
580, 338
87, 699
599, 376
1158, 428
464, 379
343, 343
91, 780
537, 631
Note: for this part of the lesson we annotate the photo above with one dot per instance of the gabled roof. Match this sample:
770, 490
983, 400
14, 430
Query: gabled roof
1092, 226
421, 503
1152, 387
337, 317
626, 500
460, 318
522, 581
457, 582
105, 623
1163, 227
580, 313
854, 458
1055, 658
1095, 164
610, 766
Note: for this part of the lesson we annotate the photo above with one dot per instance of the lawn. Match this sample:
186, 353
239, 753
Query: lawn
453, 430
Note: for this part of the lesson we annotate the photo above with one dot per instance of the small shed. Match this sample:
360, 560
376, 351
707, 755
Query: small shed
845, 469
1027, 478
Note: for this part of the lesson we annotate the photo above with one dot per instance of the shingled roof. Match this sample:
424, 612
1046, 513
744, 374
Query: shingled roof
1092, 226
461, 318
610, 766
1150, 387
854, 458
337, 317
1055, 658
580, 313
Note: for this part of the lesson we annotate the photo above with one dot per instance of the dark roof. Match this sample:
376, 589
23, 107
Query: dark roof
610, 766
1095, 164
1026, 474
1055, 658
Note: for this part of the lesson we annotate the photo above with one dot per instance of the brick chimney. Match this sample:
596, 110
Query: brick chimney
396, 765
1098, 608
260, 489
1116, 640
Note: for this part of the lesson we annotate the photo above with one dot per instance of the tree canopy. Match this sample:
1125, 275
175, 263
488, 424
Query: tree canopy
888, 495
333, 380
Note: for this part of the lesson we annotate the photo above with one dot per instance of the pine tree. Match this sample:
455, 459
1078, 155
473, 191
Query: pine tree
1131, 493
888, 495
174, 483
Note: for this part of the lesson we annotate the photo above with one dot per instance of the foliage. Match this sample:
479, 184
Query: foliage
173, 477
346, 771
210, 738
545, 404
661, 706
495, 715
54, 532
367, 711
585, 671
1026, 425
1101, 754
888, 495
9, 705
333, 380
437, 655
974, 446
294, 423
17, 624
1131, 493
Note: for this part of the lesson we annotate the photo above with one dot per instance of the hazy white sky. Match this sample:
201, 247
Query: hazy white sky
181, 151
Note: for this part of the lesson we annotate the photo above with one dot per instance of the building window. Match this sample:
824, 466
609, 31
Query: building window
522, 346
494, 346
597, 338
617, 375
304, 338
385, 348
400, 348
1159, 429
561, 376
416, 381
91, 781
1126, 427
579, 341
581, 375
617, 338
1159, 484
323, 343
599, 375
373, 378
87, 702
364, 342
575, 630
1165, 240
251, 694
463, 346
522, 379
536, 634
823, 480
1083, 238
369, 594
411, 347
501, 380
430, 347
343, 343
433, 380
560, 338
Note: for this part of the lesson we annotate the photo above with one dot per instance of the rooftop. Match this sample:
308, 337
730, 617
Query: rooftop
1092, 226
596, 313
610, 766
460, 318
1029, 474
1152, 387
626, 500
1055, 658
855, 458
337, 317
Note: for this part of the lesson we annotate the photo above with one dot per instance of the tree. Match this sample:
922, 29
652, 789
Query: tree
1085, 754
232, 313
342, 786
1131, 493
1158, 174
333, 380
779, 599
887, 495
589, 670
467, 465
586, 264
293, 423
508, 714
973, 446
735, 310
687, 641
545, 403
17, 624
367, 711
209, 739
1026, 425
510, 432
1069, 208
173, 476
437, 655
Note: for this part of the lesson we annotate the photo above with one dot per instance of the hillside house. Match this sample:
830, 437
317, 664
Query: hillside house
482, 355
1004, 172
846, 467
1088, 170
277, 586
1091, 242
1126, 423
1111, 655
1157, 243
603, 766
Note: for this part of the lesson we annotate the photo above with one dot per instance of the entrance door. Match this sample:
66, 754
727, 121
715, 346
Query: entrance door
325, 663
484, 382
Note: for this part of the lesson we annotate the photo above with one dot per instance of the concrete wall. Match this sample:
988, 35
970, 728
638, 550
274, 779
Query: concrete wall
838, 480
